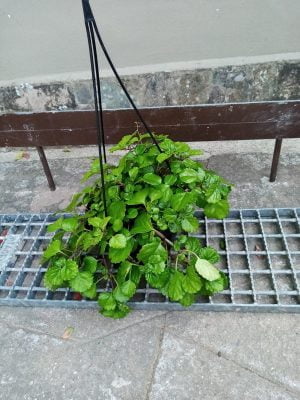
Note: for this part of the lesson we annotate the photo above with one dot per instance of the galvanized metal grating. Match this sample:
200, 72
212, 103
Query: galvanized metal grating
259, 248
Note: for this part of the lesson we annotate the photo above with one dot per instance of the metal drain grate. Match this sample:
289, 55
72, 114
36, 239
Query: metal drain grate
259, 248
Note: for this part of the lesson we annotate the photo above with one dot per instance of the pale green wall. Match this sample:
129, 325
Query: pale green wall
46, 37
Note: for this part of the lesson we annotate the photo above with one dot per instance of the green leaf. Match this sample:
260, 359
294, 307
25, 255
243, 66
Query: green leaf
155, 264
94, 169
211, 179
89, 239
166, 193
82, 281
219, 210
117, 210
193, 244
158, 281
119, 255
117, 225
168, 146
133, 173
213, 195
53, 277
142, 224
175, 290
170, 179
119, 295
107, 301
191, 282
190, 224
135, 274
138, 197
149, 249
91, 293
201, 174
209, 254
140, 149
155, 194
132, 213
123, 270
206, 269
179, 201
118, 241
176, 167
152, 179
53, 248
73, 202
90, 264
69, 224
128, 288
126, 141
119, 312
98, 222
217, 285
113, 192
55, 225
69, 270
162, 157
187, 300
182, 147
188, 175
95, 221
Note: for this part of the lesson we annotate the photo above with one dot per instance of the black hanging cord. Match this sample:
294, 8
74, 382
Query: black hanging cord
123, 87
98, 109
98, 91
88, 16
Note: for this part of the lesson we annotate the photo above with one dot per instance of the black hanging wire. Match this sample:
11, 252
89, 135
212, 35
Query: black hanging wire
123, 86
98, 91
91, 30
97, 96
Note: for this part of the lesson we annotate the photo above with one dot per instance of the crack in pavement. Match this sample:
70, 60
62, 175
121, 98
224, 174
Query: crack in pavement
238, 364
157, 358
77, 341
124, 328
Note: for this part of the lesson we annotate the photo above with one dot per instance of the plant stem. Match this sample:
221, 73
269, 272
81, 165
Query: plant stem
162, 236
176, 262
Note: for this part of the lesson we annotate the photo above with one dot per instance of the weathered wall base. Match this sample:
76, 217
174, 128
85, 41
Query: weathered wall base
279, 80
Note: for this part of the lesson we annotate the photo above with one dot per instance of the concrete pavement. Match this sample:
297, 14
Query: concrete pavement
148, 355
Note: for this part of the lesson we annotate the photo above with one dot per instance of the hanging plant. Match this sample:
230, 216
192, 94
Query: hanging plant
145, 234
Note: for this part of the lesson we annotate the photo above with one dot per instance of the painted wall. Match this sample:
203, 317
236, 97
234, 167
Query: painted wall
47, 37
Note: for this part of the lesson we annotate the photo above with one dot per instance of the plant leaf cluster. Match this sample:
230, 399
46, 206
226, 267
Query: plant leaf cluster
146, 234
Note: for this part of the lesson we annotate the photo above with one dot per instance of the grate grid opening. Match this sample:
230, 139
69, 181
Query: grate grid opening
259, 251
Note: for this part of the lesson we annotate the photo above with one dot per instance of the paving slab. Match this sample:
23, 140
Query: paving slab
36, 366
148, 355
268, 345
250, 173
24, 188
187, 370
87, 325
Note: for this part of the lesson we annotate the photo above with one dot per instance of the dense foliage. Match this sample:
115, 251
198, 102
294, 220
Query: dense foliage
151, 199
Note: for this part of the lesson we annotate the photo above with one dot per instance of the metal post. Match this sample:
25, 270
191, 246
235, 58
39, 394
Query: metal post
46, 167
275, 160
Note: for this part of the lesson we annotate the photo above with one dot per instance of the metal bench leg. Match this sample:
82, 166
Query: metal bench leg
46, 167
275, 160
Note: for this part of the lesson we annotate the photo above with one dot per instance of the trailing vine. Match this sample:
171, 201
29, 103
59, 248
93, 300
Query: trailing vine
146, 234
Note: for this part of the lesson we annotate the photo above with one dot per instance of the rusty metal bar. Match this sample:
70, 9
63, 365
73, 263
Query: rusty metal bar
275, 160
46, 167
